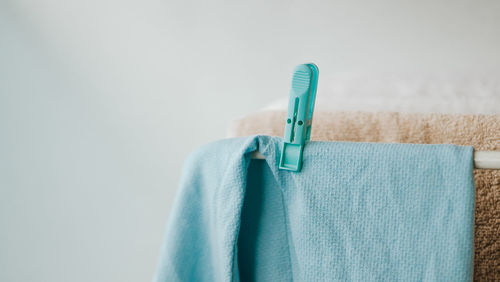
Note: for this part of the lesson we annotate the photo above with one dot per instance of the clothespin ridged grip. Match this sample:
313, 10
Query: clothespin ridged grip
299, 116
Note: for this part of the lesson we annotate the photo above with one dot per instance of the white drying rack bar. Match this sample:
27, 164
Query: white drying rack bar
487, 159
482, 159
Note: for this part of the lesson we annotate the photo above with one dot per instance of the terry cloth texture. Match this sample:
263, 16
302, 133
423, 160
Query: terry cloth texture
480, 131
356, 212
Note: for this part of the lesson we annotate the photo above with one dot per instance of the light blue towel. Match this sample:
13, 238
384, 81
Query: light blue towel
356, 212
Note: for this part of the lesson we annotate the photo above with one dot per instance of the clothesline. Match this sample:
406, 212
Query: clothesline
482, 159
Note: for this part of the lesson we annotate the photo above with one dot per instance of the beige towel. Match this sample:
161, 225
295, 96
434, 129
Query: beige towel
480, 131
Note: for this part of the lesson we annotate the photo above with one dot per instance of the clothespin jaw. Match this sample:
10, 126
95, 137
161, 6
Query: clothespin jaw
299, 116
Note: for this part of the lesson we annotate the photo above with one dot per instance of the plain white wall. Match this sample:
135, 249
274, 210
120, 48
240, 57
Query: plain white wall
101, 101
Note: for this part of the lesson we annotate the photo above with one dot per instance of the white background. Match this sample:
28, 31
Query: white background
101, 101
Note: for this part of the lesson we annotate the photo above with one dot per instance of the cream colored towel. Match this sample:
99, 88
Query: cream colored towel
480, 131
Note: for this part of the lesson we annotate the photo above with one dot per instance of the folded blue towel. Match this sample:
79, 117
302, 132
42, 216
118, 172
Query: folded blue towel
356, 212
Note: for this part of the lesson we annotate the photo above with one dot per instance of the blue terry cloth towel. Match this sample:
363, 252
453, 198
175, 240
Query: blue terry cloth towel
356, 212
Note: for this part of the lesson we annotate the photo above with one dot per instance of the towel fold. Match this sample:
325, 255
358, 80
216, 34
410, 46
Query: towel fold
355, 212
480, 131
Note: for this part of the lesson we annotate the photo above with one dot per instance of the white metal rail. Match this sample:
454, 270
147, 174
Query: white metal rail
482, 159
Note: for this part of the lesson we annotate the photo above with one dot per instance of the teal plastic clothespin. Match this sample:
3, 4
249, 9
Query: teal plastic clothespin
299, 116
